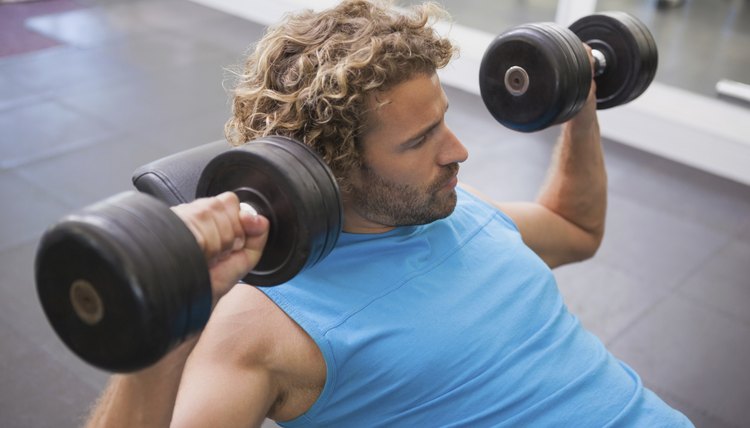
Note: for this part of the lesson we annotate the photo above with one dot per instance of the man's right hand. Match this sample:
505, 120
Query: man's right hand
232, 239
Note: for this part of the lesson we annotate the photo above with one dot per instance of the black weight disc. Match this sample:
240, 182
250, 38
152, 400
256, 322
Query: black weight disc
580, 74
286, 182
546, 82
630, 52
122, 282
647, 48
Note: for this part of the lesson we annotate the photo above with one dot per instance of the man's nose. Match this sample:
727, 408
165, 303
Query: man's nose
452, 150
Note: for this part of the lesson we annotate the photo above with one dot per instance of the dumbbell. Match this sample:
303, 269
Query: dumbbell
123, 281
537, 75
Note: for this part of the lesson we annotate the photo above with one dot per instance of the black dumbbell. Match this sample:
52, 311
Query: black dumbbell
123, 281
537, 75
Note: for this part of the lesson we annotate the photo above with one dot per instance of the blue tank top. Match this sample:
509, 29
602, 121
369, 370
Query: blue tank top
456, 323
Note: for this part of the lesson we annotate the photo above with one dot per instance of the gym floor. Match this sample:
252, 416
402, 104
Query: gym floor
91, 89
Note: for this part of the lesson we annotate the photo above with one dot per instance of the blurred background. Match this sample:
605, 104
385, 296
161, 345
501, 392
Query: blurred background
92, 89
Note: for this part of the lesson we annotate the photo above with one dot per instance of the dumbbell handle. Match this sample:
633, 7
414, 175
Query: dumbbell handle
600, 62
244, 206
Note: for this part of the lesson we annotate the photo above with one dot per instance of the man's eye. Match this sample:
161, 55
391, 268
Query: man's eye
418, 142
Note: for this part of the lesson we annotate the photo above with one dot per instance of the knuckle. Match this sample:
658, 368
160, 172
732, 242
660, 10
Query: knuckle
215, 204
227, 199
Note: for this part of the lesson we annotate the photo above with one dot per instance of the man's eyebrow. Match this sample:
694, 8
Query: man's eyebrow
425, 130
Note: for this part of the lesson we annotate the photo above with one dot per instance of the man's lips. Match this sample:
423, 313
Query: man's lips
450, 181
453, 182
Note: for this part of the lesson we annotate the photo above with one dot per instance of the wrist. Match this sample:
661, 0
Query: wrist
584, 125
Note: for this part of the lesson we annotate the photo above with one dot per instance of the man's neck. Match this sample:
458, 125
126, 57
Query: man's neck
356, 223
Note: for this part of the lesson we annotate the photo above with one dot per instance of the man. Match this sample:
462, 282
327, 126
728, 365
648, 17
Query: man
435, 308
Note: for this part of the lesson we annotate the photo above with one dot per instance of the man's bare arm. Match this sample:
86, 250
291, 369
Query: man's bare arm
566, 222
142, 399
232, 242
252, 362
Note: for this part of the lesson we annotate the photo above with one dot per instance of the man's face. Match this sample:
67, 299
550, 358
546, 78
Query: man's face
410, 160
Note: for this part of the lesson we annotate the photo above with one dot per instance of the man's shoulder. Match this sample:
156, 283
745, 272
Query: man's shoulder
248, 330
256, 329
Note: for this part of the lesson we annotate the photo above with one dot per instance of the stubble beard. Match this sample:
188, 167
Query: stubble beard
394, 204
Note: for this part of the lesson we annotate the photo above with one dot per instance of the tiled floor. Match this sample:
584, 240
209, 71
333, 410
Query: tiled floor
135, 80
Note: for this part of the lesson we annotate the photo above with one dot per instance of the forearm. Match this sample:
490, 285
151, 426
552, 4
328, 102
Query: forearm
145, 398
576, 187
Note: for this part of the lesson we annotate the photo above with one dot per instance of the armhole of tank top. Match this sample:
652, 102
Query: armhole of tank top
507, 219
490, 208
317, 335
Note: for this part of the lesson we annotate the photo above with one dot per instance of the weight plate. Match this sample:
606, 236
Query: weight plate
580, 70
549, 64
630, 52
112, 286
286, 182
647, 48
181, 289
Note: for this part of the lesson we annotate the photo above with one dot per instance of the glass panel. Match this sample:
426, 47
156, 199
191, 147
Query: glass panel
495, 16
699, 41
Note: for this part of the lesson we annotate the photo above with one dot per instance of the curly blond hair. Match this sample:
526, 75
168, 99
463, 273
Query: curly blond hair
309, 76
